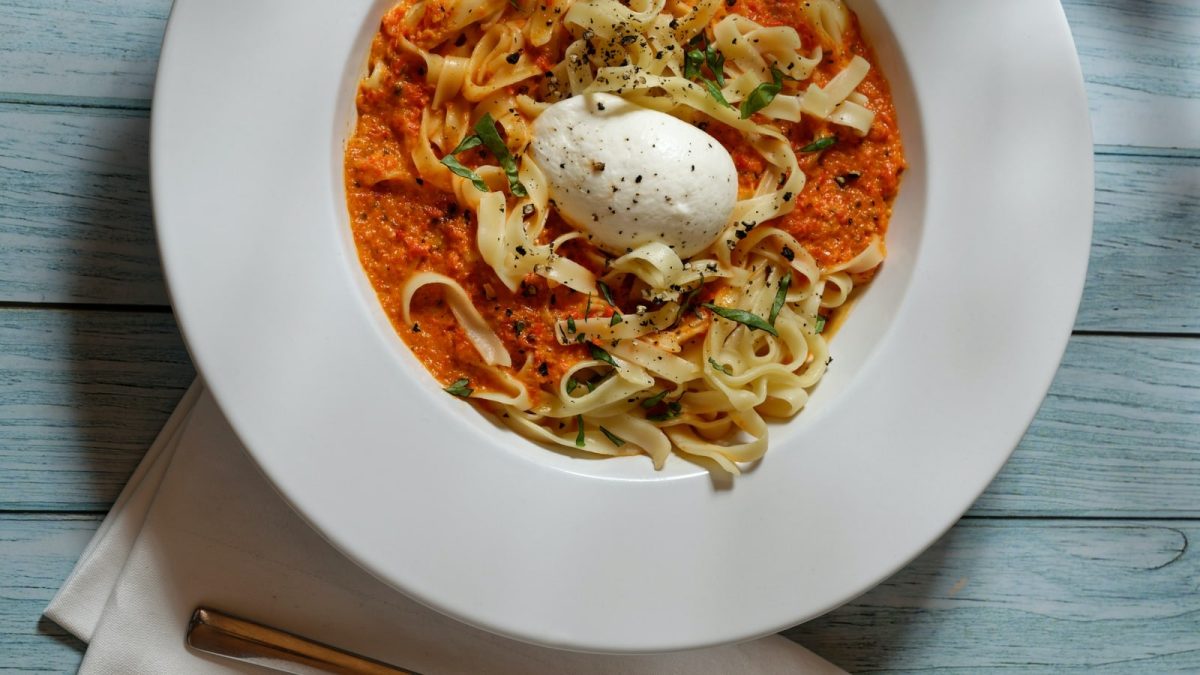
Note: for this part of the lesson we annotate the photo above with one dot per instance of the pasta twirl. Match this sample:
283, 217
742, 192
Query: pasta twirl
649, 350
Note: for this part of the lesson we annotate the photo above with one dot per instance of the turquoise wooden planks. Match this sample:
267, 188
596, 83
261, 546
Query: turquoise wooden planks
1030, 596
82, 395
1042, 596
36, 554
75, 221
90, 51
1141, 65
1142, 274
1119, 434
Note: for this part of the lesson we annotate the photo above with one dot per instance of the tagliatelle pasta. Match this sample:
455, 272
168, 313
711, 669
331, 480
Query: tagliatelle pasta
569, 342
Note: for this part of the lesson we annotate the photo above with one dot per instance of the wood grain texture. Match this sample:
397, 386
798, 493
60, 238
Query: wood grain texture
1118, 434
1142, 275
1046, 596
1108, 596
1141, 66
97, 51
36, 555
75, 222
82, 395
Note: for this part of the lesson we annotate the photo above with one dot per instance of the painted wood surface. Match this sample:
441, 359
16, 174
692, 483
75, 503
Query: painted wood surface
75, 219
76, 226
1048, 596
82, 395
1141, 63
1041, 596
1143, 275
36, 554
99, 52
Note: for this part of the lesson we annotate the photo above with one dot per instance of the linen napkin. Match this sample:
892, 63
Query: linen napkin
199, 525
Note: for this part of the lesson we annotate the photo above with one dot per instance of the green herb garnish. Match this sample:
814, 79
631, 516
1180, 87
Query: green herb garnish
486, 129
716, 63
460, 388
519, 327
748, 319
606, 293
601, 355
572, 384
692, 61
780, 297
571, 323
820, 144
655, 399
763, 94
714, 91
616, 440
820, 325
580, 440
673, 410
616, 319
592, 384
720, 367
456, 167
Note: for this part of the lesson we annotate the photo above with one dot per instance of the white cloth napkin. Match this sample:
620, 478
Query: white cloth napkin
199, 525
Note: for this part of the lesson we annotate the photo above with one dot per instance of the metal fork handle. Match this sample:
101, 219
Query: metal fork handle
213, 632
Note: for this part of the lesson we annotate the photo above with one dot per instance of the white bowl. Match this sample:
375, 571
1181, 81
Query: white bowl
938, 371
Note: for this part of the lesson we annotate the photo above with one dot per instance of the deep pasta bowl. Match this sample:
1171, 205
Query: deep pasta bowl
938, 370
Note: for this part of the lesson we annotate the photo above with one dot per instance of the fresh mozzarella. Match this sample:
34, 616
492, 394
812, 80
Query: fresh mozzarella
627, 175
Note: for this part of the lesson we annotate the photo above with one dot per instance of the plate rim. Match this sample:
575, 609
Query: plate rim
195, 317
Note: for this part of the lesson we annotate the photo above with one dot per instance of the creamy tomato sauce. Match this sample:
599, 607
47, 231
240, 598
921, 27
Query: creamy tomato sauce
403, 225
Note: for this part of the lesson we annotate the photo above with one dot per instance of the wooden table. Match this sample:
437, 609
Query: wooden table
1076, 558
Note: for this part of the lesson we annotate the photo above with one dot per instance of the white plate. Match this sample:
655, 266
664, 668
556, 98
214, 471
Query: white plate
936, 375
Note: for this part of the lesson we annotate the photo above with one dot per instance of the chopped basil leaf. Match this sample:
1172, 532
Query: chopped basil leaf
519, 327
587, 309
616, 440
714, 92
458, 169
820, 325
592, 384
606, 293
763, 94
691, 64
751, 321
819, 144
460, 388
580, 440
720, 367
571, 323
716, 63
673, 410
780, 297
486, 128
572, 384
655, 399
468, 143
616, 319
601, 355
